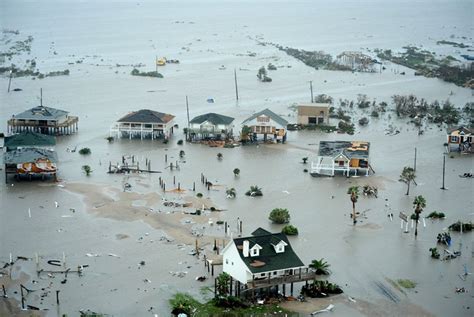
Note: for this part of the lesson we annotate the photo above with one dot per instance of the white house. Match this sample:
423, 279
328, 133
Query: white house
211, 125
341, 156
144, 123
266, 123
263, 255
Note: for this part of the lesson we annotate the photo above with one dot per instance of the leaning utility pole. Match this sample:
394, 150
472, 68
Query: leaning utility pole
311, 89
236, 88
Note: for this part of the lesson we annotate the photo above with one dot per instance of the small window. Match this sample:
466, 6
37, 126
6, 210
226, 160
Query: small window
226, 261
454, 139
312, 120
275, 273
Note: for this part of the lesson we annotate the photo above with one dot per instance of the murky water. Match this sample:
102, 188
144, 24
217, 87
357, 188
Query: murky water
213, 34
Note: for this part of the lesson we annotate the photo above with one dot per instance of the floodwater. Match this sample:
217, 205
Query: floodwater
204, 35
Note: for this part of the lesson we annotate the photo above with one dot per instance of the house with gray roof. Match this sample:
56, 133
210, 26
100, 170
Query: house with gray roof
45, 120
144, 123
30, 162
342, 156
211, 126
263, 259
266, 123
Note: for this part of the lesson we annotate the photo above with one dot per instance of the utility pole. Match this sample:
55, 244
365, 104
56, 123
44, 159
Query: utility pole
41, 97
414, 167
444, 170
10, 80
236, 88
156, 63
311, 89
187, 111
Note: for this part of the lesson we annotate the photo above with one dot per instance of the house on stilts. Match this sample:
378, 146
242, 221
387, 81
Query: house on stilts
460, 138
342, 157
30, 155
43, 120
266, 123
142, 124
211, 126
263, 262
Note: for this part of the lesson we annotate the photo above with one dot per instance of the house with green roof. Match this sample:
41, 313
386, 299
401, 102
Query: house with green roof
30, 162
29, 140
265, 123
144, 123
211, 126
263, 258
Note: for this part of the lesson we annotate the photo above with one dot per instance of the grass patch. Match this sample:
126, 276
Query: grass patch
406, 283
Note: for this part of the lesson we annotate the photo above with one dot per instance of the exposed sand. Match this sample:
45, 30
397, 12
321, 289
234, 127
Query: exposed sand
110, 202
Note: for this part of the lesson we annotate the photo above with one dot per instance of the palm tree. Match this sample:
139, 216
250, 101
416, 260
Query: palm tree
219, 156
354, 192
321, 267
419, 203
231, 193
236, 172
407, 176
87, 169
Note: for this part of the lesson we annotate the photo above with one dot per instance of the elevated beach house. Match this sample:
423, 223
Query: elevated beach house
460, 139
44, 120
144, 123
342, 156
313, 113
266, 123
211, 126
263, 260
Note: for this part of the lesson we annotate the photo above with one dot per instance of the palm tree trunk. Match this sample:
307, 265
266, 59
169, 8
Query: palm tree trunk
408, 188
354, 212
416, 225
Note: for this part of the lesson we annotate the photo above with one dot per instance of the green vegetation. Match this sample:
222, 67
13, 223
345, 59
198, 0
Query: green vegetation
466, 226
262, 75
417, 109
317, 288
346, 127
89, 313
406, 283
305, 159
87, 169
455, 44
110, 139
136, 72
315, 59
353, 191
254, 191
231, 193
85, 151
184, 303
419, 203
199, 195
220, 156
434, 253
436, 215
279, 216
320, 267
180, 142
425, 63
236, 172
363, 121
181, 154
407, 176
290, 230
271, 66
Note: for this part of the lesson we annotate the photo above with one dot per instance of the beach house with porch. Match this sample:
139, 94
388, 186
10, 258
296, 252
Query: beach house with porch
44, 120
460, 139
211, 126
266, 123
144, 123
30, 162
313, 113
343, 157
263, 260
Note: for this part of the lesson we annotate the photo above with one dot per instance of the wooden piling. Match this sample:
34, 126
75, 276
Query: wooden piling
57, 297
194, 186
4, 292
166, 158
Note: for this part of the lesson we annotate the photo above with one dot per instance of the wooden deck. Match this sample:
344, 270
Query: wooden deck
287, 279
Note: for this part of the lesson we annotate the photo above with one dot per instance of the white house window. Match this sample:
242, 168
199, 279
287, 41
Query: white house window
254, 252
454, 139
